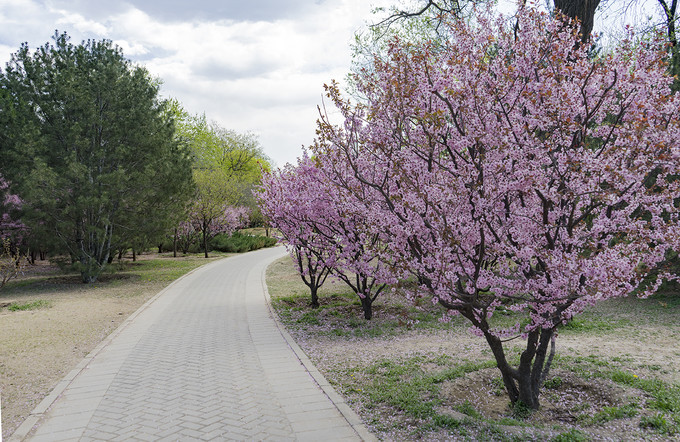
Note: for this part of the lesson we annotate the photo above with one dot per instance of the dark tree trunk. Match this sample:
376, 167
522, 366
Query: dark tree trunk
583, 10
315, 276
523, 383
205, 239
364, 286
367, 306
134, 255
205, 244
174, 244
670, 11
314, 289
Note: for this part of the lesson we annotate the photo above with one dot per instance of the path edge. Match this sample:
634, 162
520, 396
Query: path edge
34, 417
338, 401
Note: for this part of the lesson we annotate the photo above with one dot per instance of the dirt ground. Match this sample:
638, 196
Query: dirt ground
657, 357
630, 335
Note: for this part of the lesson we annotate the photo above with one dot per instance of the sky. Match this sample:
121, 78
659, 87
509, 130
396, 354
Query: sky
250, 65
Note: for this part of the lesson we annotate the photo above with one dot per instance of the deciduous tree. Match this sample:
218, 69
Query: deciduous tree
284, 198
511, 171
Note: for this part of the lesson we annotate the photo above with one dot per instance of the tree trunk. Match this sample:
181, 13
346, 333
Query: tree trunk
670, 10
205, 243
134, 255
367, 306
315, 295
524, 383
174, 244
583, 10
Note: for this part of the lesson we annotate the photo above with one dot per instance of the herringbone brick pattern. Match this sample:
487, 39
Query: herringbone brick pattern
204, 361
189, 381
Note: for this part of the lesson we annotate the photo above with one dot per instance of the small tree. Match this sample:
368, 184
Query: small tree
211, 212
509, 170
338, 218
284, 198
10, 261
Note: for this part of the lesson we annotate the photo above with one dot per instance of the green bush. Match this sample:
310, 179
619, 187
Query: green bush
240, 243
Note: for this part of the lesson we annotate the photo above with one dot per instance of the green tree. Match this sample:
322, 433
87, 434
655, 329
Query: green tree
92, 150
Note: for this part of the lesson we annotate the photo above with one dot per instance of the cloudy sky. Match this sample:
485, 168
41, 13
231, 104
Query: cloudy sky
250, 65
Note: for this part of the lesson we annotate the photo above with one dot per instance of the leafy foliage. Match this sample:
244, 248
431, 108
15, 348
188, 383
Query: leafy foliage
89, 143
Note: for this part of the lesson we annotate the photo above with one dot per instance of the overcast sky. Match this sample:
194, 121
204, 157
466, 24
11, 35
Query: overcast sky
251, 65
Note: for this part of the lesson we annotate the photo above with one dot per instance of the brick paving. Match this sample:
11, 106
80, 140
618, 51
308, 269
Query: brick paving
203, 360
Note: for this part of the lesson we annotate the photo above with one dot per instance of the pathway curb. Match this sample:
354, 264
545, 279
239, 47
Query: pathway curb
39, 411
350, 416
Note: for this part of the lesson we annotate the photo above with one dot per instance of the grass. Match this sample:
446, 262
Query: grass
439, 394
340, 314
34, 305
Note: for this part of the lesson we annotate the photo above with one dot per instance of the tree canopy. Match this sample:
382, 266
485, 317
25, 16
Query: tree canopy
504, 169
89, 147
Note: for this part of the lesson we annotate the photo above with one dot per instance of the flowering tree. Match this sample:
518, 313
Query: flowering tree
185, 235
511, 171
211, 212
207, 221
286, 198
10, 227
340, 217
12, 233
323, 223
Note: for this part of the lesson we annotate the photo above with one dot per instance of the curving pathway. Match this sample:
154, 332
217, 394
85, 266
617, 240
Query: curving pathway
203, 360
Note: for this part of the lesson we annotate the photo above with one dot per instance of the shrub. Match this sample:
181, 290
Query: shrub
239, 243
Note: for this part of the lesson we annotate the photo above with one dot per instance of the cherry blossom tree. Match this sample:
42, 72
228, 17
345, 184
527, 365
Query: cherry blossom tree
12, 234
10, 227
286, 198
340, 217
329, 224
185, 236
509, 171
207, 220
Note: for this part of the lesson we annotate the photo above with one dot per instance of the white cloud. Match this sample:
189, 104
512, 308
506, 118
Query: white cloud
263, 76
81, 24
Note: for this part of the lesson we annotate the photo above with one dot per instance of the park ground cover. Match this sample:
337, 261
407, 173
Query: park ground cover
411, 376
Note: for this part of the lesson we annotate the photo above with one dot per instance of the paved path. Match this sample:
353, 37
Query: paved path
203, 360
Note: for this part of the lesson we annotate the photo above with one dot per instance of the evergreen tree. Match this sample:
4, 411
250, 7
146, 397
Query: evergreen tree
90, 148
